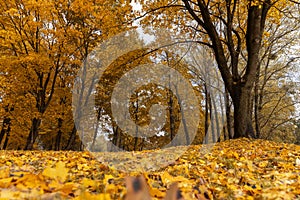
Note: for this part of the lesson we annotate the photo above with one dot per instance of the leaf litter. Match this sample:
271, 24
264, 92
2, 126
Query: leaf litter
234, 169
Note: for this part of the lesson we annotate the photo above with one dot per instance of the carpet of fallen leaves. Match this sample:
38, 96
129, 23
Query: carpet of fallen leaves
235, 169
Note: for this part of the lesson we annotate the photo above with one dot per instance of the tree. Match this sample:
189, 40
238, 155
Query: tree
42, 40
274, 91
297, 131
234, 31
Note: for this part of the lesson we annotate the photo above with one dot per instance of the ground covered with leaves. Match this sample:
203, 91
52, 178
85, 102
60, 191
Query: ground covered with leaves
235, 169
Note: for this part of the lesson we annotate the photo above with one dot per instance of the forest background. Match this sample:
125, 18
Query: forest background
45, 44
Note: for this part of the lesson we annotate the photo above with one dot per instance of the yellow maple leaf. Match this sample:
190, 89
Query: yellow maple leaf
89, 183
60, 172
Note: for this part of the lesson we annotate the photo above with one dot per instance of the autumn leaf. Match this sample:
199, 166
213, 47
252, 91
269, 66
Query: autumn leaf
59, 172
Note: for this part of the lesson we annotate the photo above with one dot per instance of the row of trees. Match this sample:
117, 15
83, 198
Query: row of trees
43, 44
252, 45
239, 66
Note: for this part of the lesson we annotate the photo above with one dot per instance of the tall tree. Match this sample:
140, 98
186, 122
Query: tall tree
274, 84
233, 29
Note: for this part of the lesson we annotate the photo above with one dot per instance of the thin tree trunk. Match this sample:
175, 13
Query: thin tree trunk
256, 106
212, 125
96, 129
4, 128
171, 118
33, 133
216, 117
136, 138
6, 138
5, 132
71, 141
185, 128
206, 125
228, 115
115, 138
59, 134
119, 140
222, 117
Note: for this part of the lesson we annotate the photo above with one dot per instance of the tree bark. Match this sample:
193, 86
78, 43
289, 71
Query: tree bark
5, 132
207, 116
72, 138
183, 120
228, 114
242, 113
34, 132
6, 138
222, 118
136, 138
211, 116
6, 122
216, 116
256, 105
59, 134
115, 139
99, 110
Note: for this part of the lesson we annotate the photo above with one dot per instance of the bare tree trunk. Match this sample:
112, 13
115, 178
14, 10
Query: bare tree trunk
136, 138
71, 141
33, 133
216, 116
185, 128
59, 134
5, 132
228, 115
242, 117
5, 126
207, 116
212, 125
2, 133
256, 105
96, 129
222, 117
115, 139
171, 117
6, 138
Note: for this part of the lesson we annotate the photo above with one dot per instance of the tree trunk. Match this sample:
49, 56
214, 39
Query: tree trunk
4, 128
183, 120
171, 117
242, 113
136, 138
211, 116
228, 115
222, 118
58, 136
256, 110
115, 139
96, 129
6, 138
34, 132
5, 131
216, 116
206, 125
72, 138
